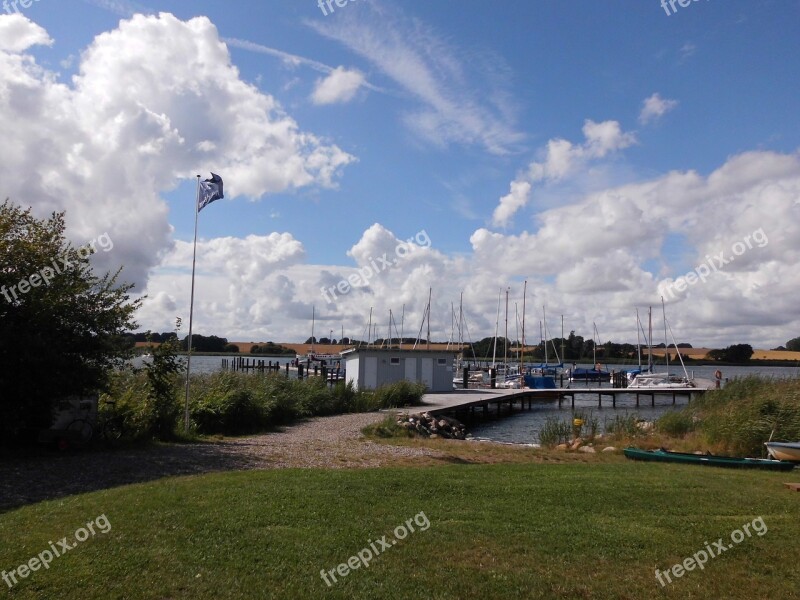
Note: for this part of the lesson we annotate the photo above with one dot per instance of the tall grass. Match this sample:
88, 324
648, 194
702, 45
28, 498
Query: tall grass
554, 431
743, 415
623, 426
240, 403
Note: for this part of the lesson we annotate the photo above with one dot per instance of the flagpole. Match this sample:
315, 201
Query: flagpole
191, 309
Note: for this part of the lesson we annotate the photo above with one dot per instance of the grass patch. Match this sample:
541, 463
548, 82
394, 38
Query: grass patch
505, 531
387, 429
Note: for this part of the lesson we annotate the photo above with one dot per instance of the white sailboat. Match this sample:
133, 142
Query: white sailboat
313, 356
651, 380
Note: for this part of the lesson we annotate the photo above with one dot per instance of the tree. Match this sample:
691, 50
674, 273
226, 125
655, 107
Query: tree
738, 353
62, 328
163, 407
793, 345
202, 343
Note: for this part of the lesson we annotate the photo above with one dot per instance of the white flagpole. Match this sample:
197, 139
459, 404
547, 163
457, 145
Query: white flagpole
191, 309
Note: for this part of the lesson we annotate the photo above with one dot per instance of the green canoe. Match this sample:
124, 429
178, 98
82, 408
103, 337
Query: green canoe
663, 455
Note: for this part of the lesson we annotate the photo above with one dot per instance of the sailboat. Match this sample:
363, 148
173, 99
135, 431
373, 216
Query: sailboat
666, 379
545, 368
313, 356
596, 373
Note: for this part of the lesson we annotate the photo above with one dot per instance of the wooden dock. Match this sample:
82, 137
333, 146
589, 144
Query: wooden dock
300, 371
486, 402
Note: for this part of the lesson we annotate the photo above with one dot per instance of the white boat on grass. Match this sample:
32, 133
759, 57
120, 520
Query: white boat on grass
784, 450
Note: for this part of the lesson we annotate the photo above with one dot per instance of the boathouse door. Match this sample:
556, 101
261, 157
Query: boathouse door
427, 372
411, 368
371, 372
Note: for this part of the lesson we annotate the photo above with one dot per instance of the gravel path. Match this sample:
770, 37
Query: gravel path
329, 442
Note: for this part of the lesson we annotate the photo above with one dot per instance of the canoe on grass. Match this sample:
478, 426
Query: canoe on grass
663, 455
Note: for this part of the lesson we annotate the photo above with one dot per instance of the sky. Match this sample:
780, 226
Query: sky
610, 154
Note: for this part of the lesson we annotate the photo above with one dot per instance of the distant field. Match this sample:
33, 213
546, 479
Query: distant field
699, 353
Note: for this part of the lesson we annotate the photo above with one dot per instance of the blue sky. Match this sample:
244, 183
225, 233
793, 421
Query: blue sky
599, 150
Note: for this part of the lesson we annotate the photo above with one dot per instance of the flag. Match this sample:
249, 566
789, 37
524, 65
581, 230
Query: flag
210, 190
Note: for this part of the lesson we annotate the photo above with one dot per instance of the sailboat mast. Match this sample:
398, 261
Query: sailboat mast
666, 341
369, 328
650, 340
402, 325
313, 315
638, 340
505, 344
430, 294
522, 351
544, 317
496, 326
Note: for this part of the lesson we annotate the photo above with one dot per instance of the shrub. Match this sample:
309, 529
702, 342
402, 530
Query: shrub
623, 425
398, 394
554, 431
388, 428
675, 423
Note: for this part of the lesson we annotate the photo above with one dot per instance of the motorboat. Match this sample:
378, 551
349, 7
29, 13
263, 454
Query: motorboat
789, 451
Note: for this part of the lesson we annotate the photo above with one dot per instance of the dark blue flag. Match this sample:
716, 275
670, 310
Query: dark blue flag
210, 190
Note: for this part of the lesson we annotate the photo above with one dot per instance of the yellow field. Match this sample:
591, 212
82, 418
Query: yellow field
698, 353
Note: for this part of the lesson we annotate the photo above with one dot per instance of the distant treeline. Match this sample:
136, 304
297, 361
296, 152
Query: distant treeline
345, 341
575, 348
211, 343
272, 349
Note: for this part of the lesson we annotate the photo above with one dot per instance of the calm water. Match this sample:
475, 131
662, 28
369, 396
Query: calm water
210, 364
523, 427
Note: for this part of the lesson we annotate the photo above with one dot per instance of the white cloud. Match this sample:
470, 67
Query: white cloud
291, 60
613, 249
655, 107
594, 259
154, 102
462, 102
338, 87
511, 203
18, 33
561, 160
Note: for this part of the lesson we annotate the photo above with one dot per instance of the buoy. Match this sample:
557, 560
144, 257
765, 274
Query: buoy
718, 374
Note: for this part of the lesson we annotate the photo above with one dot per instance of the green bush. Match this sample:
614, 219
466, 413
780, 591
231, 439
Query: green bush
554, 431
623, 425
739, 418
399, 394
388, 428
675, 423
234, 403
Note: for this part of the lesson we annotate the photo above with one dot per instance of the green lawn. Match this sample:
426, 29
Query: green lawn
496, 531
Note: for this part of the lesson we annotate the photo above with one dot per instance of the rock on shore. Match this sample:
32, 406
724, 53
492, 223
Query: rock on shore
433, 426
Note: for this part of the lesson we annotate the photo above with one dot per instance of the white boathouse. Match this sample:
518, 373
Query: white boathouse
370, 368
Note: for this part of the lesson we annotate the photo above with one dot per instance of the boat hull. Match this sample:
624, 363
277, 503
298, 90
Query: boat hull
789, 451
707, 460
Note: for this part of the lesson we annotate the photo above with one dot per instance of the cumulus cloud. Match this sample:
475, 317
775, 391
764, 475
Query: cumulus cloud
512, 202
18, 33
338, 87
153, 102
610, 249
655, 107
562, 159
595, 259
